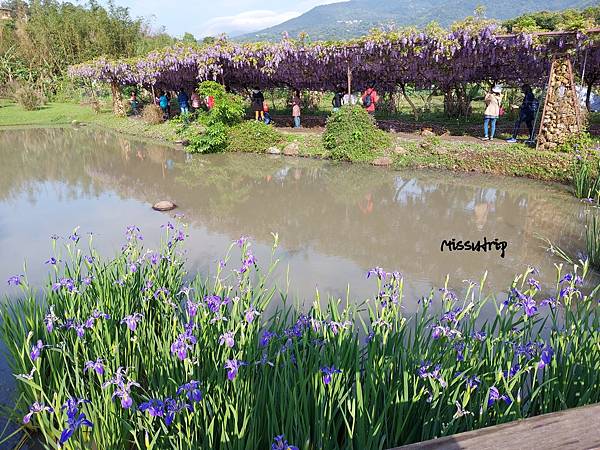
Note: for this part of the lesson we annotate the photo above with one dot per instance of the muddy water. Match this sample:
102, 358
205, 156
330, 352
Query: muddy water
335, 221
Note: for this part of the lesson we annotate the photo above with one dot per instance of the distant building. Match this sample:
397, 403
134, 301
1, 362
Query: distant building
5, 13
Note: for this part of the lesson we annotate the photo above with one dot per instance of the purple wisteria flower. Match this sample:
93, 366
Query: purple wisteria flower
281, 444
97, 365
232, 366
192, 390
494, 396
36, 408
250, 314
545, 357
75, 419
36, 350
15, 280
227, 339
328, 372
132, 321
184, 342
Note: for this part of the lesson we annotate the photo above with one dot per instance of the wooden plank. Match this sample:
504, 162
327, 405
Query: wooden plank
573, 429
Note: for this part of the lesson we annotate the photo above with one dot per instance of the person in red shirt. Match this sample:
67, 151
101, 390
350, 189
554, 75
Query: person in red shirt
369, 99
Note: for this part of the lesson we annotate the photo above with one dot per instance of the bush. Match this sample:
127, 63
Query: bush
352, 135
28, 97
152, 114
253, 136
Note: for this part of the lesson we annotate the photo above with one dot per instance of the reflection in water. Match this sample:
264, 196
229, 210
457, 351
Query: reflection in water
335, 220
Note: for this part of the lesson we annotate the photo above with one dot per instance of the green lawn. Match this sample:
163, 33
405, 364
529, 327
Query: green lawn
50, 114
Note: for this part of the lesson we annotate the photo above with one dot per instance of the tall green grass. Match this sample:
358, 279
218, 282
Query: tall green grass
395, 379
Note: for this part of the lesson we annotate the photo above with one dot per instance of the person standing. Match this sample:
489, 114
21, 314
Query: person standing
258, 100
296, 109
370, 99
183, 101
163, 102
195, 101
338, 98
527, 112
493, 101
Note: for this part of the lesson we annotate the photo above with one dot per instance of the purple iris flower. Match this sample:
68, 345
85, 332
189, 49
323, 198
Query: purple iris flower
473, 382
53, 261
281, 444
180, 236
192, 390
123, 387
172, 407
163, 291
545, 357
250, 314
97, 365
512, 372
328, 372
460, 348
266, 338
192, 308
50, 320
89, 259
36, 408
154, 407
438, 331
241, 241
535, 284
232, 366
184, 342
247, 263
495, 396
132, 320
15, 280
379, 272
436, 373
479, 335
529, 307
75, 419
154, 258
36, 350
227, 339
79, 329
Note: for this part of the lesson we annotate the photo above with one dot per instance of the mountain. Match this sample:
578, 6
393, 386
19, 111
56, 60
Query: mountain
356, 17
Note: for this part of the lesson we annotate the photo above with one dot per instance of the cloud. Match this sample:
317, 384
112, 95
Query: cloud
245, 22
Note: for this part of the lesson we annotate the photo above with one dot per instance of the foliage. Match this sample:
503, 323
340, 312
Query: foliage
162, 364
152, 114
27, 96
586, 178
569, 19
253, 136
580, 142
352, 135
592, 240
227, 112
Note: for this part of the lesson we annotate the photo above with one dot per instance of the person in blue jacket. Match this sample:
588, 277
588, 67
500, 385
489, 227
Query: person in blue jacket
184, 102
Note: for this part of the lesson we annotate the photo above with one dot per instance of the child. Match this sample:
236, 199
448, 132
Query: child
268, 119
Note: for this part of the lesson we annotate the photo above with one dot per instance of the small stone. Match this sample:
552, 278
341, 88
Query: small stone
398, 150
427, 132
75, 122
292, 149
382, 161
273, 151
164, 205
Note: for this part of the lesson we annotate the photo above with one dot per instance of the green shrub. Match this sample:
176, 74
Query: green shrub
253, 136
28, 97
592, 240
227, 112
586, 181
352, 135
579, 141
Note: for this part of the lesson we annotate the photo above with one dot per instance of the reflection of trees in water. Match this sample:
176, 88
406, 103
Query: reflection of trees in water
356, 212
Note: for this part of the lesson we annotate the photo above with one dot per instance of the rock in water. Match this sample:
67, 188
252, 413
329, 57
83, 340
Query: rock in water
164, 205
382, 161
273, 151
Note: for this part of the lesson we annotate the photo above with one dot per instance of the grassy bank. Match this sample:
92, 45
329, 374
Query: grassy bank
408, 151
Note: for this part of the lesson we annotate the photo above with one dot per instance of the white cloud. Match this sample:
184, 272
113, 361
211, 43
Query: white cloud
245, 22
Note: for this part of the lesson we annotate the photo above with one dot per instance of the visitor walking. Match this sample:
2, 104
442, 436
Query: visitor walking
369, 99
493, 101
183, 101
133, 102
527, 112
163, 102
337, 100
258, 100
296, 109
349, 100
195, 101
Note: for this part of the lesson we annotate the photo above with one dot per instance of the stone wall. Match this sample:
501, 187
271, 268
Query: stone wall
561, 116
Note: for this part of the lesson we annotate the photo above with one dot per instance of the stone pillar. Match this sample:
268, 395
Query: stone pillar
117, 98
562, 116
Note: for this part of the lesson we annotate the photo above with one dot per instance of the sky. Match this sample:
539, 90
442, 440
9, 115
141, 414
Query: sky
212, 17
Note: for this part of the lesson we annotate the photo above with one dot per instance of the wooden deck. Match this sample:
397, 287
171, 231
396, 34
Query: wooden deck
575, 429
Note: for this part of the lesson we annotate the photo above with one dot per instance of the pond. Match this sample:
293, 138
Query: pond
335, 221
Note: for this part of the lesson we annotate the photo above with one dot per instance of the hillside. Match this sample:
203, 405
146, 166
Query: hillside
356, 17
